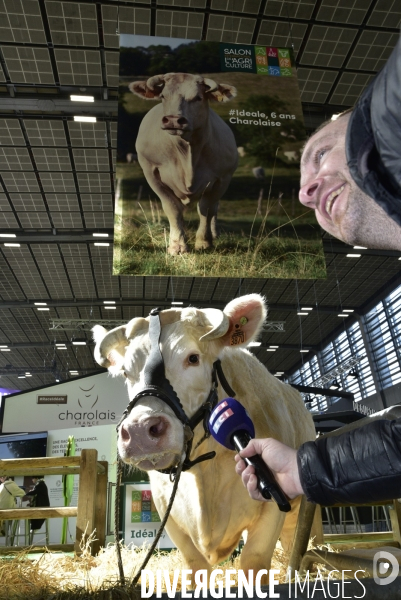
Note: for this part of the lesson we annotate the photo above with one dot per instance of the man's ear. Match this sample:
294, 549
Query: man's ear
222, 93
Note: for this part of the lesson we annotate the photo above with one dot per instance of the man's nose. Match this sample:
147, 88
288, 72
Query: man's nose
309, 192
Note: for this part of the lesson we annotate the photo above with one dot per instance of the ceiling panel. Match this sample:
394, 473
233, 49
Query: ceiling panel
282, 34
28, 65
72, 24
235, 30
387, 13
349, 88
327, 46
125, 20
46, 132
290, 9
11, 133
21, 22
79, 67
352, 12
179, 24
88, 134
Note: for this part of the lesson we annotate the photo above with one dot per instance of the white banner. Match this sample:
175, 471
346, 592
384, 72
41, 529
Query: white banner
84, 402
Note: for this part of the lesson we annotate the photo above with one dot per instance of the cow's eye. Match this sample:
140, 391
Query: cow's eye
193, 359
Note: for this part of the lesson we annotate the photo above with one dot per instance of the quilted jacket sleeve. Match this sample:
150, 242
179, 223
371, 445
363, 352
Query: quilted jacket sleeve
362, 465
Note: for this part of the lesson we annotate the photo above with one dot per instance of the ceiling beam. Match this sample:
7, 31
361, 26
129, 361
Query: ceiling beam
162, 302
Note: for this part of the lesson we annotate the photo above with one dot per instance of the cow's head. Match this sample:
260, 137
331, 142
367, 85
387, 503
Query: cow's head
185, 99
151, 436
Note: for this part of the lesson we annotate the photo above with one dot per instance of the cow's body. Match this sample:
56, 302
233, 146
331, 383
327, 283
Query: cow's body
212, 508
187, 152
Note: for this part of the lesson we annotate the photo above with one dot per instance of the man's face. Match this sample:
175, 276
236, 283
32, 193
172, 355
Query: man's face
341, 208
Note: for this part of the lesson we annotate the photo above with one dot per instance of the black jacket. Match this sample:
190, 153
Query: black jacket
362, 465
40, 497
373, 142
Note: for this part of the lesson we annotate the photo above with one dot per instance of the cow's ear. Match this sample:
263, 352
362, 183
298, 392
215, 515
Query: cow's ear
246, 316
141, 89
222, 93
110, 347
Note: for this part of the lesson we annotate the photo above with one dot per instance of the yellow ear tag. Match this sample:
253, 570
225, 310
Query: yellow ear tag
243, 320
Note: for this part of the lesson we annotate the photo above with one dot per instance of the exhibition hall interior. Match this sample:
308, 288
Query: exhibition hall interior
337, 337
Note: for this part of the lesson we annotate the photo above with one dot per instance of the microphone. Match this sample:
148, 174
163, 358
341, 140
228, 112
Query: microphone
231, 426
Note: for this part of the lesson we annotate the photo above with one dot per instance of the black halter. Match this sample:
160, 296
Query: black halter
158, 386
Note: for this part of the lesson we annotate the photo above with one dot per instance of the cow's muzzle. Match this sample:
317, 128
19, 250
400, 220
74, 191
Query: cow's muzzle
175, 125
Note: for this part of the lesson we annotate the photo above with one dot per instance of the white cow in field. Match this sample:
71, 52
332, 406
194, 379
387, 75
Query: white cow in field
187, 152
212, 508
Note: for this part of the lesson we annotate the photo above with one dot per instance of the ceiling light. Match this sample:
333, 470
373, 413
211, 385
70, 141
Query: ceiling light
3, 346
43, 309
5, 349
177, 303
342, 315
57, 380
74, 373
79, 342
307, 308
302, 314
334, 385
85, 119
75, 98
349, 310
354, 255
101, 244
12, 245
110, 307
274, 346
335, 117
109, 301
60, 344
254, 344
8, 235
304, 350
40, 303
353, 374
21, 376
28, 375
100, 234
360, 248
270, 349
62, 348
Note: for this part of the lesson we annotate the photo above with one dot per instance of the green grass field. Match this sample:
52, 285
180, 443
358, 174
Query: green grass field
283, 242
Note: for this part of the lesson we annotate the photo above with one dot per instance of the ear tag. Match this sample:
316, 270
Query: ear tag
243, 320
237, 336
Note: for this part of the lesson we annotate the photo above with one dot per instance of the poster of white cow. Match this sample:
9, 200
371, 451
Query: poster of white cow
207, 176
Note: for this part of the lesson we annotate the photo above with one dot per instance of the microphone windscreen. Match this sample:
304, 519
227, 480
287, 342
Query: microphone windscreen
228, 417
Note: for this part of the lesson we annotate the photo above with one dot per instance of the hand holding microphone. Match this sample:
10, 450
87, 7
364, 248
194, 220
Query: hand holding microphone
232, 427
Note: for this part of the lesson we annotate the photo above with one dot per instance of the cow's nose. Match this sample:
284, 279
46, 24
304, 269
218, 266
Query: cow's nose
182, 121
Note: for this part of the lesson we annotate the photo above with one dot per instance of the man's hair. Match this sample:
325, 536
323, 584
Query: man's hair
324, 124
328, 121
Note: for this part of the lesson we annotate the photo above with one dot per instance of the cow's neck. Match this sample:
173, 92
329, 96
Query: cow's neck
190, 153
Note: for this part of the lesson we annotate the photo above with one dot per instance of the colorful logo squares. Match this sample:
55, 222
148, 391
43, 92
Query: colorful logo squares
275, 71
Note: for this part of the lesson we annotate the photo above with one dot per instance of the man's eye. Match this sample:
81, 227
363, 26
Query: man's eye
319, 155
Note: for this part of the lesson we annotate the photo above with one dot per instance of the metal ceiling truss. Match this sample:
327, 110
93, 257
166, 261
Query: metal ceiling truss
343, 367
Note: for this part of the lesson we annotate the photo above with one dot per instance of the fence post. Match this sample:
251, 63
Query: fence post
101, 509
86, 497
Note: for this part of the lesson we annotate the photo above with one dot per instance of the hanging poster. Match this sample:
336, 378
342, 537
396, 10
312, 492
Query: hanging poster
207, 176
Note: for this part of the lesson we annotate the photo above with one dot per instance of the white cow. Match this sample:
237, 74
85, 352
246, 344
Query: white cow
187, 152
212, 508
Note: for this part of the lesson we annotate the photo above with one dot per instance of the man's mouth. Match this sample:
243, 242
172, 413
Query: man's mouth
330, 200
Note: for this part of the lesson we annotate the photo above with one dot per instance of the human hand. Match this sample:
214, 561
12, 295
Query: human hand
282, 461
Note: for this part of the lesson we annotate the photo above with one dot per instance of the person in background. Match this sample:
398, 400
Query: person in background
9, 491
39, 496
